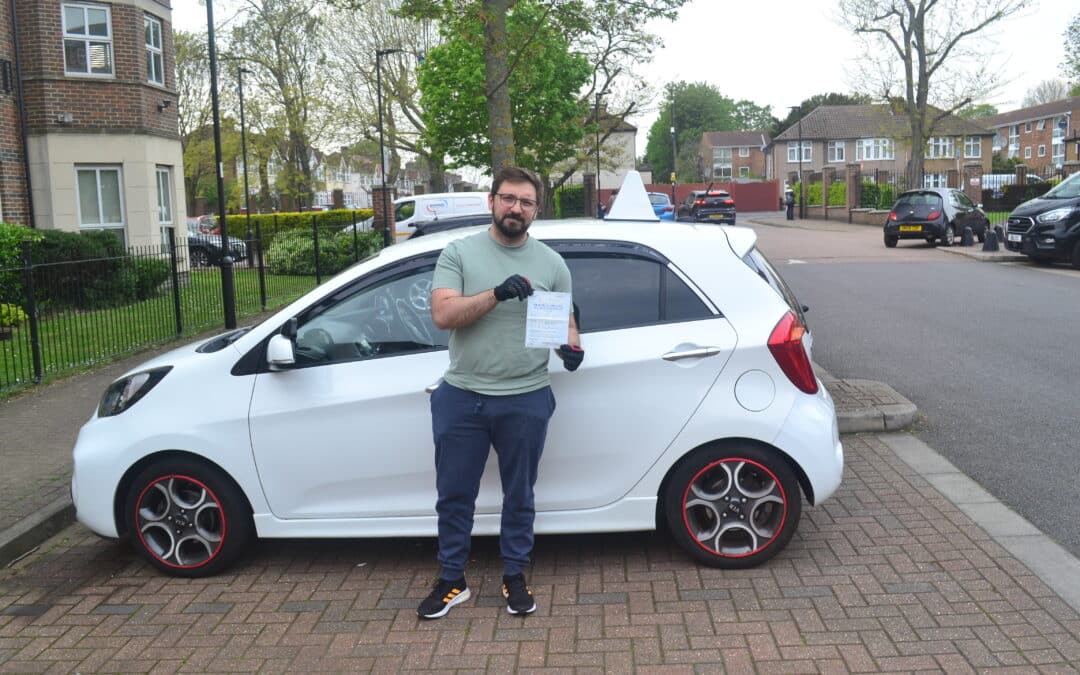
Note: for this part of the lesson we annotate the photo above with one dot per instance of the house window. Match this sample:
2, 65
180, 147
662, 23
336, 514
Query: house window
87, 39
155, 58
1014, 140
100, 198
744, 172
1040, 125
873, 148
972, 147
934, 180
1027, 152
939, 147
793, 151
1042, 151
1057, 141
721, 163
1027, 127
836, 151
744, 152
164, 202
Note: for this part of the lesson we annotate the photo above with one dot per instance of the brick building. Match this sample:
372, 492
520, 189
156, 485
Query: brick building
100, 113
731, 155
1043, 136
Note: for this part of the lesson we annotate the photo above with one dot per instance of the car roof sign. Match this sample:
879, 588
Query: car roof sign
633, 202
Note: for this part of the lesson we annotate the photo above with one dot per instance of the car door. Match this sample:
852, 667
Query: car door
347, 432
653, 348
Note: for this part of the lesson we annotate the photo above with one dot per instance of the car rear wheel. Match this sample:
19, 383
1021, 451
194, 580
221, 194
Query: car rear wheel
890, 240
949, 235
199, 258
932, 241
732, 506
187, 518
1076, 256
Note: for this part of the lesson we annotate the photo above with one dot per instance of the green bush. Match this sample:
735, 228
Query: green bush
876, 196
11, 240
293, 252
570, 201
838, 193
265, 222
813, 194
11, 315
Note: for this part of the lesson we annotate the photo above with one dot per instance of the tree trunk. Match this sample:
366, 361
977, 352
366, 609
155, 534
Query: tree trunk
496, 73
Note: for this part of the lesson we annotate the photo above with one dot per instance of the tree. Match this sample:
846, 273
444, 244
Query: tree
800, 111
194, 111
698, 107
1070, 67
1046, 91
499, 60
977, 111
546, 115
931, 54
283, 43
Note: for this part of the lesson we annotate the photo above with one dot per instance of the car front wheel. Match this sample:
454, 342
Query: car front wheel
187, 518
199, 258
732, 506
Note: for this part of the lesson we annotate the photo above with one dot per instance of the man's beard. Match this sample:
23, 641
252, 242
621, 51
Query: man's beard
511, 230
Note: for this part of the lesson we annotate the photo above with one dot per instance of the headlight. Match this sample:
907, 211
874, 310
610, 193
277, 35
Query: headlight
127, 391
1055, 216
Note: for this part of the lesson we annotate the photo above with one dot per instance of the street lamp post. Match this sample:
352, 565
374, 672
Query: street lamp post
229, 300
674, 150
802, 187
598, 153
255, 242
379, 53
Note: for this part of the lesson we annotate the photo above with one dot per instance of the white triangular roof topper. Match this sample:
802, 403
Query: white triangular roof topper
632, 202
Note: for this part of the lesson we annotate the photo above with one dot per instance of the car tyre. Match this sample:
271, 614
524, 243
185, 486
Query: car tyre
890, 240
732, 506
932, 241
199, 257
1075, 261
186, 518
948, 236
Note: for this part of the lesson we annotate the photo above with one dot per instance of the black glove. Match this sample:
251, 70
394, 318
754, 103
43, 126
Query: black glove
515, 286
571, 356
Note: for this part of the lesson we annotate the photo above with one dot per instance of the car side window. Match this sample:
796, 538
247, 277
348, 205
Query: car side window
964, 200
615, 292
390, 317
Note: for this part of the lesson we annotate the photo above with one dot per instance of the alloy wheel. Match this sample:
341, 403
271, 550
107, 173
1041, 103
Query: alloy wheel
180, 521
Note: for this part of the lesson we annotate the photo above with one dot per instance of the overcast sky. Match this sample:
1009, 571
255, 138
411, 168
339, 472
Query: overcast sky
780, 52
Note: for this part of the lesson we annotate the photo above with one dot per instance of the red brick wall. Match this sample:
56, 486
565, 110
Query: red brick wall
12, 181
126, 103
756, 196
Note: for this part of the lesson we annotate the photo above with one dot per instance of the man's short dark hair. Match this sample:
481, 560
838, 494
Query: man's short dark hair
517, 174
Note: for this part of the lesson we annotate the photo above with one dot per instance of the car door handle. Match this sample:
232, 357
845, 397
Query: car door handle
699, 353
430, 389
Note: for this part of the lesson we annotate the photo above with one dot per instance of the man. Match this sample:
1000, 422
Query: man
789, 201
496, 392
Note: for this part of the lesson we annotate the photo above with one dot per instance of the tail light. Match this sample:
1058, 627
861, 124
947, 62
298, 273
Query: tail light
892, 215
699, 202
933, 215
729, 202
668, 209
786, 346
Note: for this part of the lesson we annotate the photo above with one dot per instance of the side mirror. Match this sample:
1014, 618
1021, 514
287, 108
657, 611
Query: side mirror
289, 329
279, 352
805, 308
979, 205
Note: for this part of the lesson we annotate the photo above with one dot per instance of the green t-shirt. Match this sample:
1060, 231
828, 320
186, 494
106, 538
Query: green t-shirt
489, 356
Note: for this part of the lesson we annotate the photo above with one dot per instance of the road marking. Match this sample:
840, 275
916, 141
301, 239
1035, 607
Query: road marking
795, 261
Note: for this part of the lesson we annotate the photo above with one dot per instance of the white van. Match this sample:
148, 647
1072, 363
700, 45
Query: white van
423, 208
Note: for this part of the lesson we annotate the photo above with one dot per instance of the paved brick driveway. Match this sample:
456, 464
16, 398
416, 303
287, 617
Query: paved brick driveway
888, 576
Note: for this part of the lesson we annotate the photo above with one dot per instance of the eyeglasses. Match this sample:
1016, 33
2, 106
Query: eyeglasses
509, 200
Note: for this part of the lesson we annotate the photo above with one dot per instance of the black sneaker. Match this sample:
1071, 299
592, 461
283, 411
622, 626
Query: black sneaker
443, 596
519, 597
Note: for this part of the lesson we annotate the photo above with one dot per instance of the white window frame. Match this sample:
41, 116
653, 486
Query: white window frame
155, 53
1040, 125
1027, 127
744, 172
940, 147
1042, 150
98, 169
722, 162
874, 149
1027, 152
836, 151
935, 180
86, 39
744, 152
793, 152
972, 147
163, 180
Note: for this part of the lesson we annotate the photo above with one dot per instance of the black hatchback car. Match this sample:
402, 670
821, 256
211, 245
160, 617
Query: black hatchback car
936, 215
1047, 229
707, 206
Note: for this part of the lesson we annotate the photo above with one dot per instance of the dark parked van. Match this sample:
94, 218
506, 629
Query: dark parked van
1047, 229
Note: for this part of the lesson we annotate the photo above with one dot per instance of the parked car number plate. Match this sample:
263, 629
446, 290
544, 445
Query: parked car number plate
1014, 237
911, 228
716, 216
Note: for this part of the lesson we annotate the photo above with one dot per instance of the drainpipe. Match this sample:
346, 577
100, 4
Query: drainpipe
22, 115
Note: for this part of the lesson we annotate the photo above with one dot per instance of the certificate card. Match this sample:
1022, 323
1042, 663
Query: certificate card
547, 320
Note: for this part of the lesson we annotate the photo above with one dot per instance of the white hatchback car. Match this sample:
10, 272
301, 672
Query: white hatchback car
696, 406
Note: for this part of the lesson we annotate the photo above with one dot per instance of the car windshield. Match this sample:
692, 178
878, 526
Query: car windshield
1066, 189
655, 198
919, 203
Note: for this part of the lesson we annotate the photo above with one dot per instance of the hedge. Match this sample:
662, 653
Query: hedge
293, 252
237, 224
570, 201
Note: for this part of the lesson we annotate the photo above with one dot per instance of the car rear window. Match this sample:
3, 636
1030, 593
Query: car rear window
757, 261
922, 202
